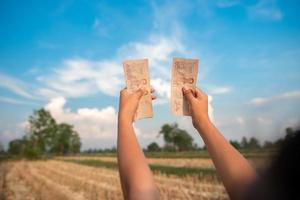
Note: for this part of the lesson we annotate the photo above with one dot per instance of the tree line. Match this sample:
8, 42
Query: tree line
177, 139
45, 137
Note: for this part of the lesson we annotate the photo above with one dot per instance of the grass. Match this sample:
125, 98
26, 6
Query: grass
248, 153
201, 173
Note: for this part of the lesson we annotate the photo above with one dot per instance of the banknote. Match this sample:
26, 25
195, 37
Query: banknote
184, 73
137, 76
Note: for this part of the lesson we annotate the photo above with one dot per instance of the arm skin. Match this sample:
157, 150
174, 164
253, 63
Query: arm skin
234, 170
136, 177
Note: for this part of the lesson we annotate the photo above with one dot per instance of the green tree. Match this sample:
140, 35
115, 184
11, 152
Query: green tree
43, 129
176, 138
289, 133
182, 140
153, 147
253, 143
167, 131
1, 148
46, 136
75, 143
244, 143
235, 144
16, 147
65, 140
268, 145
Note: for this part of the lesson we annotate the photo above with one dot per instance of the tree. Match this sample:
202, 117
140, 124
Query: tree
244, 143
235, 144
182, 140
268, 145
153, 147
176, 138
253, 143
65, 140
42, 130
167, 132
75, 143
46, 136
1, 148
16, 147
289, 133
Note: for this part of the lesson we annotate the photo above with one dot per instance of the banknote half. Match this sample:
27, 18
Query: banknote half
137, 76
184, 73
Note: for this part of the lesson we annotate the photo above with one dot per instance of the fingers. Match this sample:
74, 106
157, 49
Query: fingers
152, 90
188, 93
140, 92
199, 93
123, 90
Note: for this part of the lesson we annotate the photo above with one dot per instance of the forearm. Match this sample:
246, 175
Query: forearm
136, 177
234, 170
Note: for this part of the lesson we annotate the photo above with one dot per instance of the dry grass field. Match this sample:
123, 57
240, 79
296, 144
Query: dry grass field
58, 179
182, 162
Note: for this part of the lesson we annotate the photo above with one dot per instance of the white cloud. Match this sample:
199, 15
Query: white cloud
264, 100
240, 120
290, 94
259, 100
210, 108
162, 87
158, 49
220, 90
96, 127
264, 120
265, 10
14, 85
14, 101
82, 77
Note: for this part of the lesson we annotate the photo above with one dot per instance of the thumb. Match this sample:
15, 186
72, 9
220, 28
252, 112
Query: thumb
188, 93
140, 92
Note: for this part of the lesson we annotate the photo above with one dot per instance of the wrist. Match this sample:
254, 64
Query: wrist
202, 125
124, 119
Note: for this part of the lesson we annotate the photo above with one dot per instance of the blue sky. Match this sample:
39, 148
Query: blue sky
66, 56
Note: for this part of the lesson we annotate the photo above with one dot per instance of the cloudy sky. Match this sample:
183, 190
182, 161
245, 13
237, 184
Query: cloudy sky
66, 56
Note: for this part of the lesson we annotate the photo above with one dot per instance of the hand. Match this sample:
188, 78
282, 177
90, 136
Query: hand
198, 105
129, 102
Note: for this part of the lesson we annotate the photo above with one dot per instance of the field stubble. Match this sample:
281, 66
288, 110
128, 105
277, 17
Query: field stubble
54, 179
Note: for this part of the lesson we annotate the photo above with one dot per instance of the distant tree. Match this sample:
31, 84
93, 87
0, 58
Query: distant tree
176, 138
183, 141
16, 147
113, 149
268, 145
244, 143
167, 131
289, 133
42, 130
75, 143
253, 143
235, 144
65, 140
46, 136
153, 147
1, 148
